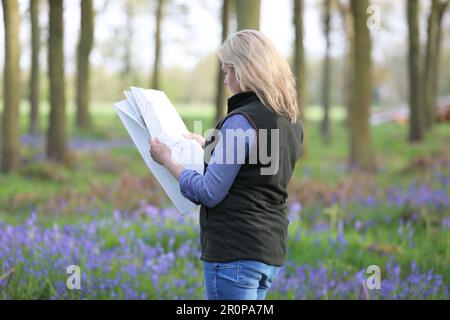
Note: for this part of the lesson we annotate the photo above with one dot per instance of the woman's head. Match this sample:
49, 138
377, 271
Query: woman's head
260, 68
231, 80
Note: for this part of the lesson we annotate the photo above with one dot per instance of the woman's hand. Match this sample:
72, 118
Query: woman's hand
196, 137
160, 152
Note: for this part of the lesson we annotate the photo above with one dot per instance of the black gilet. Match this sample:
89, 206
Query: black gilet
251, 222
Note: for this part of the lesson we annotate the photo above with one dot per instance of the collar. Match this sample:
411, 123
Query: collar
241, 99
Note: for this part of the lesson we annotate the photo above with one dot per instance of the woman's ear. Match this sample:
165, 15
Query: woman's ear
237, 76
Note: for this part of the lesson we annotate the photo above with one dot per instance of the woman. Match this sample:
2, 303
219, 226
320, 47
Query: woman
243, 211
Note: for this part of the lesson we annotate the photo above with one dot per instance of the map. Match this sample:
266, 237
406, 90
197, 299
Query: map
149, 113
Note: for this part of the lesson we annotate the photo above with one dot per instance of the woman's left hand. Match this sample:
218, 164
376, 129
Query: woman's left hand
160, 152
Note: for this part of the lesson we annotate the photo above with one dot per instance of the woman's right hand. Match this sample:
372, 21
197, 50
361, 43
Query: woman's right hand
196, 137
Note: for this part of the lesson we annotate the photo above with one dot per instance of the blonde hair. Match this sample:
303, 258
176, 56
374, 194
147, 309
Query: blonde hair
260, 68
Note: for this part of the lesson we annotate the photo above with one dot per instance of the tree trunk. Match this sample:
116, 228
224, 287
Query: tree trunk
299, 66
416, 125
347, 19
432, 60
83, 54
10, 144
325, 128
34, 78
299, 56
430, 63
127, 70
159, 16
56, 134
220, 98
361, 152
442, 6
248, 14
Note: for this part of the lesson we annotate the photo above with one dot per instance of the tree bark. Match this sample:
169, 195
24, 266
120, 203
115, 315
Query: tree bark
347, 19
83, 76
10, 145
361, 152
299, 57
299, 67
416, 125
127, 70
156, 66
34, 78
220, 98
325, 128
56, 134
248, 14
432, 60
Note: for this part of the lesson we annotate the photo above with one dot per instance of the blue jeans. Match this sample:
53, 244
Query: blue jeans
238, 280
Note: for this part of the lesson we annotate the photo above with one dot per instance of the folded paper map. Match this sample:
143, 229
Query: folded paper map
149, 113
